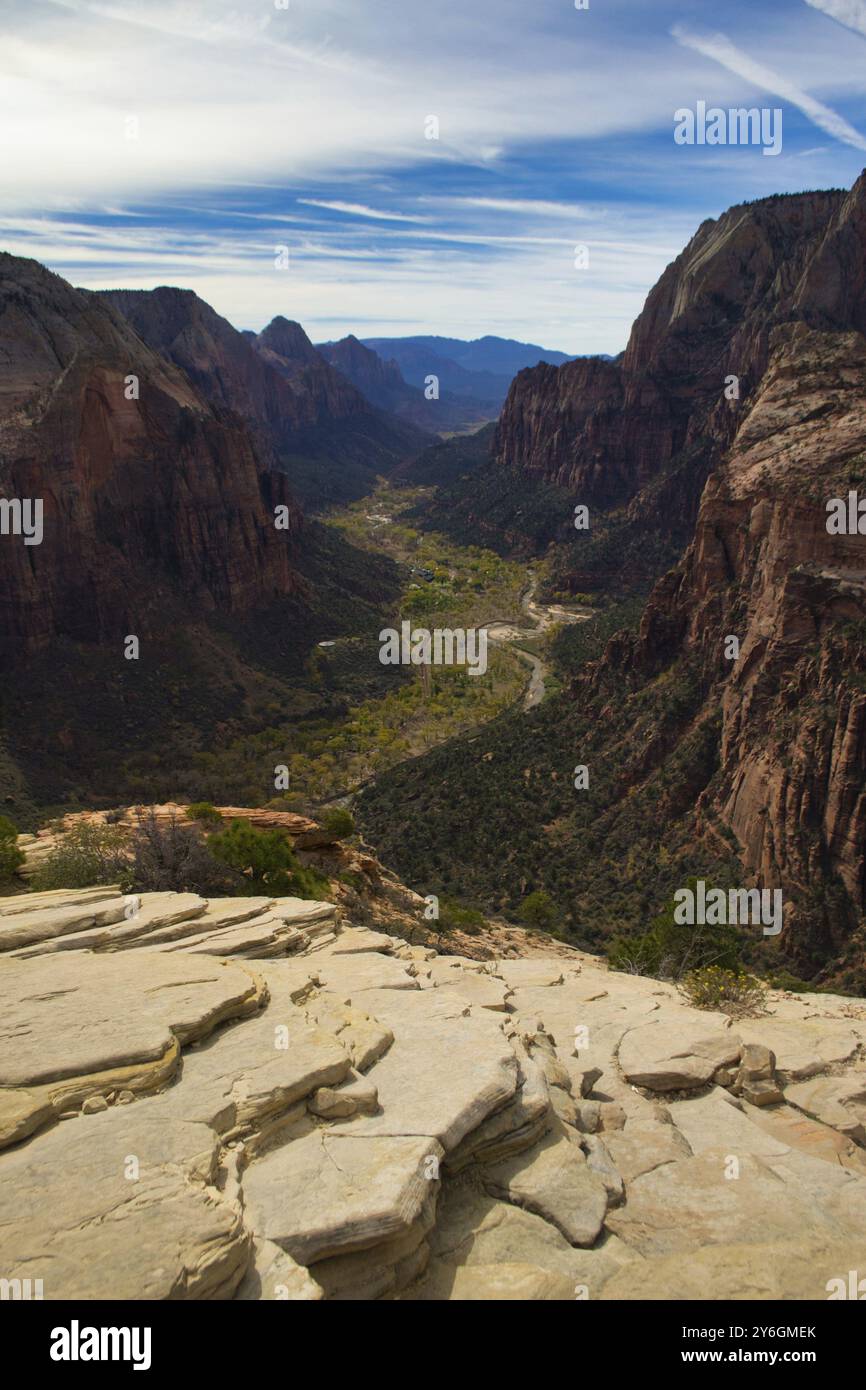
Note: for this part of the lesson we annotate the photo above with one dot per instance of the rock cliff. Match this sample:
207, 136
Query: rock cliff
381, 383
635, 438
759, 752
154, 495
791, 782
308, 417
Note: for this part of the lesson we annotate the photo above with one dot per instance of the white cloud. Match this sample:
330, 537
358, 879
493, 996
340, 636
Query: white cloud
379, 280
720, 49
361, 210
533, 207
851, 13
257, 125
324, 88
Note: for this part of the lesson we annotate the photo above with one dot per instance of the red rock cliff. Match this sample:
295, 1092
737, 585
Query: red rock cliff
150, 501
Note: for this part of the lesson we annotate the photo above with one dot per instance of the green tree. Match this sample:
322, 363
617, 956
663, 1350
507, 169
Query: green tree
10, 855
264, 862
204, 811
539, 910
671, 949
85, 856
339, 822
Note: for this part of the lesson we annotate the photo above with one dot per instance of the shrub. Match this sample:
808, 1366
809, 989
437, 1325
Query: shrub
204, 811
670, 949
86, 855
11, 857
453, 916
296, 804
726, 991
339, 822
785, 979
263, 862
173, 857
539, 910
356, 881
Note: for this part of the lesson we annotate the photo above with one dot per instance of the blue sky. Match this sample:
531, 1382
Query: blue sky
151, 142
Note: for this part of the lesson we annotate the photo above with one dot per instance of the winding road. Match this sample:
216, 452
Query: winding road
543, 616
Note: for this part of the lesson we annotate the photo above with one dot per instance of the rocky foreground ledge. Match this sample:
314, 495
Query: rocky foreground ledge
247, 1098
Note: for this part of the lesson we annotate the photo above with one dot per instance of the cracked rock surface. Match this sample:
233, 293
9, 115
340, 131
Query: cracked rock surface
251, 1099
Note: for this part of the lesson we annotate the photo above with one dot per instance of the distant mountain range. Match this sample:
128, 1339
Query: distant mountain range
472, 378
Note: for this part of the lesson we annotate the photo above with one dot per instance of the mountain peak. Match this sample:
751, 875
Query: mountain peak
287, 339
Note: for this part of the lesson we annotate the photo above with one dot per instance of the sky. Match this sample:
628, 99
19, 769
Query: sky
276, 155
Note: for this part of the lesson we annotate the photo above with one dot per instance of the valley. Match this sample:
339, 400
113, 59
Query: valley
258, 677
433, 672
446, 586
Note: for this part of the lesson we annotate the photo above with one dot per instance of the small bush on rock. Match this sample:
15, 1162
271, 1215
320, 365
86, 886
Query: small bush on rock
339, 822
204, 811
264, 863
453, 916
538, 910
173, 857
725, 991
86, 856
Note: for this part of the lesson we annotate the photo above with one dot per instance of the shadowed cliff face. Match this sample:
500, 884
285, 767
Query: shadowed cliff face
774, 293
148, 502
791, 784
229, 369
306, 417
791, 781
636, 438
160, 521
606, 429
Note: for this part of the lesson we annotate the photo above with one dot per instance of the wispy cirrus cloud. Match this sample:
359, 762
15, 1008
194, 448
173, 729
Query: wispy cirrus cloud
850, 13
719, 48
361, 210
534, 207
307, 126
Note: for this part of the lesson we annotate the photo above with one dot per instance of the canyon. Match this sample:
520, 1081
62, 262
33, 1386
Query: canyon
339, 1096
757, 766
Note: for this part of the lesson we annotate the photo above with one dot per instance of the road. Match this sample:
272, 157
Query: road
543, 616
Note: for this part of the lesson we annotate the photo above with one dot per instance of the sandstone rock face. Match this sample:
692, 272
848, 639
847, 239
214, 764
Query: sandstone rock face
759, 756
648, 427
277, 383
789, 791
763, 567
348, 1119
165, 493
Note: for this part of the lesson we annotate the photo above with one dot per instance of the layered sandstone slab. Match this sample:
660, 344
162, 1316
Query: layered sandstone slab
356, 1119
121, 1207
77, 1025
